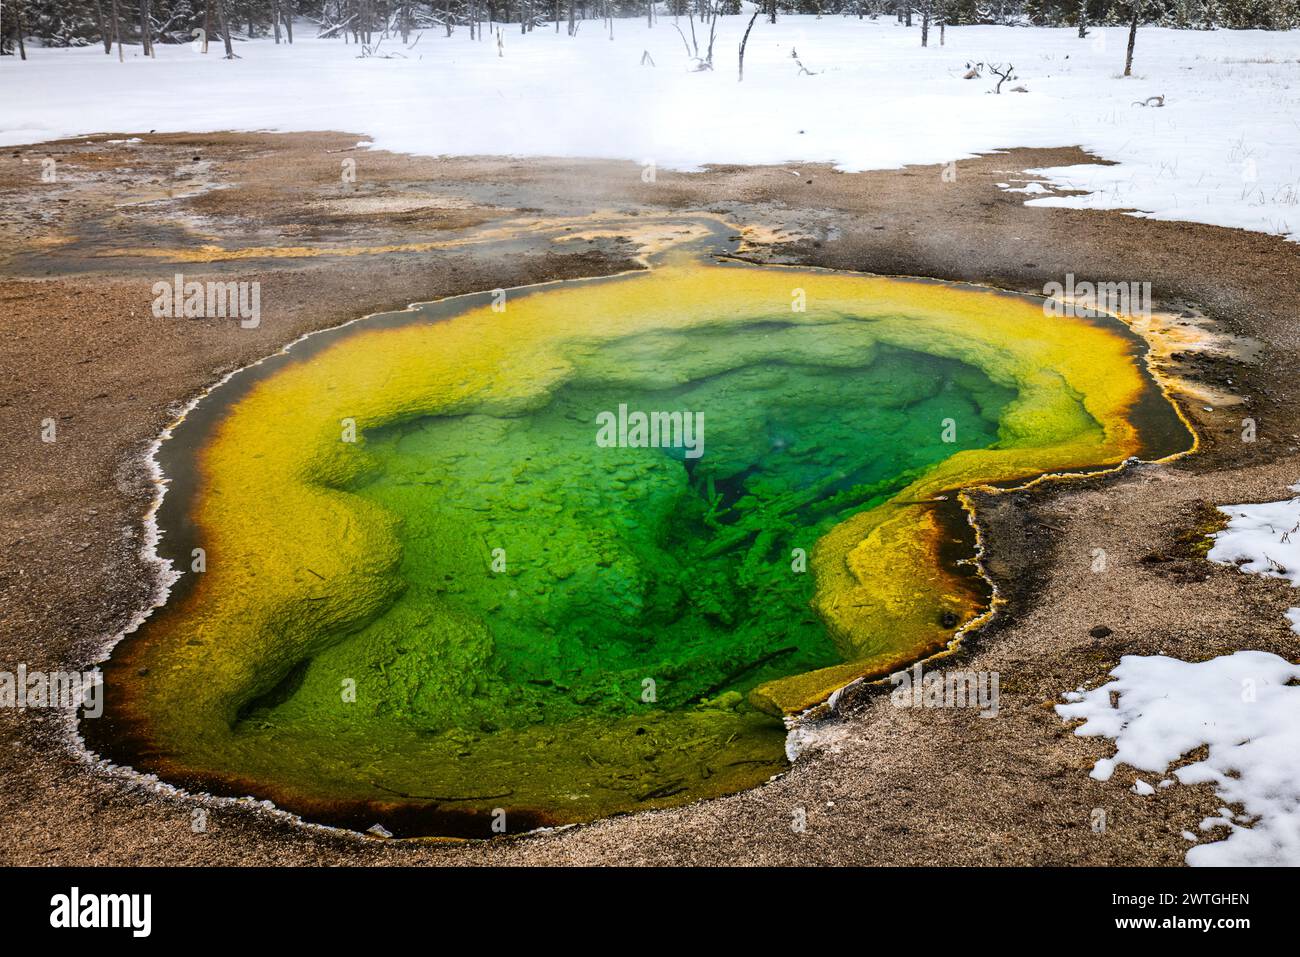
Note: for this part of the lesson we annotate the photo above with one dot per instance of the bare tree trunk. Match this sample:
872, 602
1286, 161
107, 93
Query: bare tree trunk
743, 41
117, 33
103, 27
18, 29
713, 32
1083, 18
287, 12
1132, 37
225, 28
275, 20
572, 27
925, 24
146, 29
207, 23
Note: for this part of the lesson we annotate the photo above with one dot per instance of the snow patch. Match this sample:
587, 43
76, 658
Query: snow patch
1244, 709
1032, 188
1263, 540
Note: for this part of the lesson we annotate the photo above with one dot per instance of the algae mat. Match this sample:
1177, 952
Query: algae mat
542, 557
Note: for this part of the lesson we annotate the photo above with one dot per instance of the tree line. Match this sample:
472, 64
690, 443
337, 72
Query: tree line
143, 23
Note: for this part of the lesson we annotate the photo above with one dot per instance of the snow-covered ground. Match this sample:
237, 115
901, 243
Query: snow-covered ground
1244, 709
1225, 149
1263, 540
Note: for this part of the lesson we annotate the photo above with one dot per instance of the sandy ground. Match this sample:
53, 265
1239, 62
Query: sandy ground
887, 785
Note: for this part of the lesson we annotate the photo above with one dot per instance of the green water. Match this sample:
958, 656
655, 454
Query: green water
549, 580
477, 618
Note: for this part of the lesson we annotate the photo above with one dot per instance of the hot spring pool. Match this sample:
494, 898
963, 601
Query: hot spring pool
448, 580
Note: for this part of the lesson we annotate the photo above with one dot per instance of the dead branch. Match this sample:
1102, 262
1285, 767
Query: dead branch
743, 41
1002, 74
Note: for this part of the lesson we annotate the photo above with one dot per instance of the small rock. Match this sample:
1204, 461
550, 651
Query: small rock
379, 830
1101, 631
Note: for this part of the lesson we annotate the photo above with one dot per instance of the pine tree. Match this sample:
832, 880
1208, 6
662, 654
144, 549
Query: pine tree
1247, 14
